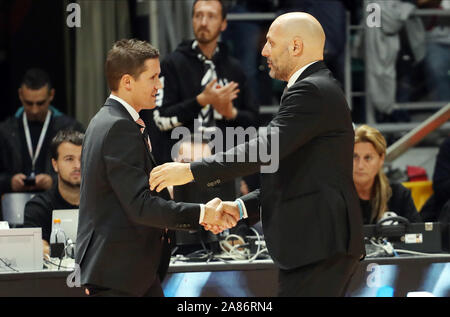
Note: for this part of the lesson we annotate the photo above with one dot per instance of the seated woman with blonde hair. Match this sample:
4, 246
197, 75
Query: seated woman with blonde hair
376, 195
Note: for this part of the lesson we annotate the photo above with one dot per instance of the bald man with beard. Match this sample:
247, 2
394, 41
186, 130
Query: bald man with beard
309, 207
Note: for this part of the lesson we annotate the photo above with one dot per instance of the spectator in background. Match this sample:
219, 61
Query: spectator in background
201, 82
25, 163
376, 195
65, 152
245, 38
398, 24
437, 58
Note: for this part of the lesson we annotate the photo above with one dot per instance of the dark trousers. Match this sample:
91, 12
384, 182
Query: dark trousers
154, 291
329, 278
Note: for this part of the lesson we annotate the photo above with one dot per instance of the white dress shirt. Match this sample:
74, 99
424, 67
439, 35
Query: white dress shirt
297, 74
133, 113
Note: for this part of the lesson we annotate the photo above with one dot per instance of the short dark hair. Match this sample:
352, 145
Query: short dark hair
224, 7
36, 78
71, 136
127, 56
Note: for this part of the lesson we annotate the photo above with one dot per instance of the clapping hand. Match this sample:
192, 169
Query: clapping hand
221, 98
227, 110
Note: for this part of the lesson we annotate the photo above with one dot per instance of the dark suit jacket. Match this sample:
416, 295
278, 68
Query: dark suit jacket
120, 242
309, 206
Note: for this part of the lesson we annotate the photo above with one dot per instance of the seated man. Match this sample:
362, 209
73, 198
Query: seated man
376, 195
25, 138
65, 194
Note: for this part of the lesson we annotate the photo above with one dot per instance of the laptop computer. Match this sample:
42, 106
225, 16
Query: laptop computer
69, 222
20, 250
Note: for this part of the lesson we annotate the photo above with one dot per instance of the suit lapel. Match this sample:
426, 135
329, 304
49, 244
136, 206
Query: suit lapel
148, 151
307, 72
311, 69
119, 107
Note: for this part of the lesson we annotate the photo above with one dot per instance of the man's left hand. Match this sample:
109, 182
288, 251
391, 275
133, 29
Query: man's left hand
170, 174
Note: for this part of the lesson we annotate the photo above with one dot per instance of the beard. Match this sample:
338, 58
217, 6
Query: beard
280, 67
204, 37
70, 184
279, 73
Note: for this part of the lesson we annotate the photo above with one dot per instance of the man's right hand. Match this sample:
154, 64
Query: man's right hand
216, 219
17, 183
43, 182
218, 97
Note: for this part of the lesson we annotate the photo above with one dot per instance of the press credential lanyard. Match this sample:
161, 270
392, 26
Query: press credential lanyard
41, 138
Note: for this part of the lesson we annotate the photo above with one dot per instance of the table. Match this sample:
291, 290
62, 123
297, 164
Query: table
401, 276
374, 277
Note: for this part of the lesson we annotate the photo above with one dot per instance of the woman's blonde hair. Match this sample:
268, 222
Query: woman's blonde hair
381, 190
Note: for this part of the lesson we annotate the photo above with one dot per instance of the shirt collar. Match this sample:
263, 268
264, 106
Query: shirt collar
196, 48
133, 113
297, 74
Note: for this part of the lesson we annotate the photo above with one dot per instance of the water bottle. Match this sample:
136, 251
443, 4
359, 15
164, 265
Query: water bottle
57, 240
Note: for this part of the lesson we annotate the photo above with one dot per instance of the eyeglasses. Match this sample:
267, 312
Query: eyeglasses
31, 103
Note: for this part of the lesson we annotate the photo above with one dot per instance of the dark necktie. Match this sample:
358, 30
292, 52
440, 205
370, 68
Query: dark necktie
144, 132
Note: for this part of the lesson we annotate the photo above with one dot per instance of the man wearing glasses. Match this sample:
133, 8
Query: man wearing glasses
25, 163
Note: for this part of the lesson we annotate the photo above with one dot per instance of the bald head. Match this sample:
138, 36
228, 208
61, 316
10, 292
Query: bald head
294, 39
305, 27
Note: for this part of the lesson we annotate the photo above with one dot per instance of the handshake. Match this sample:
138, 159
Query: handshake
220, 215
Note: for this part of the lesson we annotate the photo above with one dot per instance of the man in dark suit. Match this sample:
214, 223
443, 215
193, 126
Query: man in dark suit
122, 243
309, 207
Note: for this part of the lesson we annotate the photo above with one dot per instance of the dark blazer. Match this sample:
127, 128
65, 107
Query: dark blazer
309, 206
401, 202
120, 242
